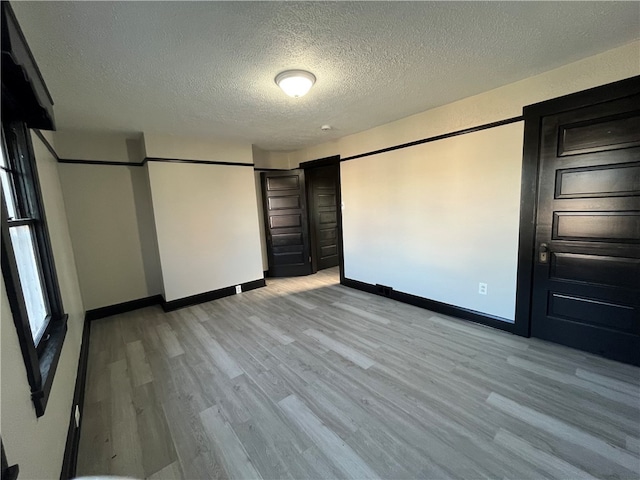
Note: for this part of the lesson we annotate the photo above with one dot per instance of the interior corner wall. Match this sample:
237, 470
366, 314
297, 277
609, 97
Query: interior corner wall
111, 224
99, 147
207, 226
276, 160
37, 444
261, 226
148, 232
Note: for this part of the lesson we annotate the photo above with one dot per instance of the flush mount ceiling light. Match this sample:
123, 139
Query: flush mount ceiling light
295, 83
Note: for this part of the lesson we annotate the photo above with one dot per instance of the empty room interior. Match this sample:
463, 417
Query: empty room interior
296, 240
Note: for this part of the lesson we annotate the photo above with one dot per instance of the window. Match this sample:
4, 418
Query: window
27, 263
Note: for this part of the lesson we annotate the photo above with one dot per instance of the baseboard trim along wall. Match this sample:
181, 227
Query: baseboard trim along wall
169, 306
433, 305
212, 295
70, 459
123, 307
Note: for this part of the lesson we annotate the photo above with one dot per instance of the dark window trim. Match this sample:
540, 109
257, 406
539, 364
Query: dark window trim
24, 92
41, 361
48, 264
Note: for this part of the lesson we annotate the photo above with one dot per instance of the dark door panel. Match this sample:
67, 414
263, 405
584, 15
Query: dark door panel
617, 272
602, 134
323, 215
592, 311
286, 223
586, 277
620, 180
608, 226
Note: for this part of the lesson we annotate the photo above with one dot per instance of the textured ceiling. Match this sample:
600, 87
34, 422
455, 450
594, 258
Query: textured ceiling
208, 68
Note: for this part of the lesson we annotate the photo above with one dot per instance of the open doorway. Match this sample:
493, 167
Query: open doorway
303, 224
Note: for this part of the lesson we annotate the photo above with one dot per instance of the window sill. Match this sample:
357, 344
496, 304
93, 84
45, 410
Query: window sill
49, 363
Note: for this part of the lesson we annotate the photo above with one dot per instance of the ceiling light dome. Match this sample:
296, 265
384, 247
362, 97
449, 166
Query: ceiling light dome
295, 83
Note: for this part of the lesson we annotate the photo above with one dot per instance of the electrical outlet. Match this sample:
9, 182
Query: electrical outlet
77, 415
238, 288
482, 288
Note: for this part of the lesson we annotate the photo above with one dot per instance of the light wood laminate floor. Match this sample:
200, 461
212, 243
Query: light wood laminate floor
309, 379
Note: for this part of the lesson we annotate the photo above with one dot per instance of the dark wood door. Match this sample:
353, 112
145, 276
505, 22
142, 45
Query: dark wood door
322, 185
286, 225
586, 279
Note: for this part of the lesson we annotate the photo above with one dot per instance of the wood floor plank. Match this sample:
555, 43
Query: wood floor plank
300, 302
157, 448
341, 349
265, 451
271, 330
172, 347
126, 449
612, 383
138, 365
193, 447
219, 355
597, 388
170, 472
351, 465
566, 432
97, 369
309, 379
234, 457
94, 450
586, 411
551, 465
362, 313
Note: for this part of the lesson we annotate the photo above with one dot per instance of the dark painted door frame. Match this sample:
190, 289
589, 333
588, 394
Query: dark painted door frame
530, 165
324, 162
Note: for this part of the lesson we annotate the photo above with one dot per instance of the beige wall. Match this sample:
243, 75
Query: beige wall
436, 219
266, 159
111, 224
169, 146
37, 445
207, 226
106, 147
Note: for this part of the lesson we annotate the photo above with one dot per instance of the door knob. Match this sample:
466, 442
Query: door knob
543, 253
